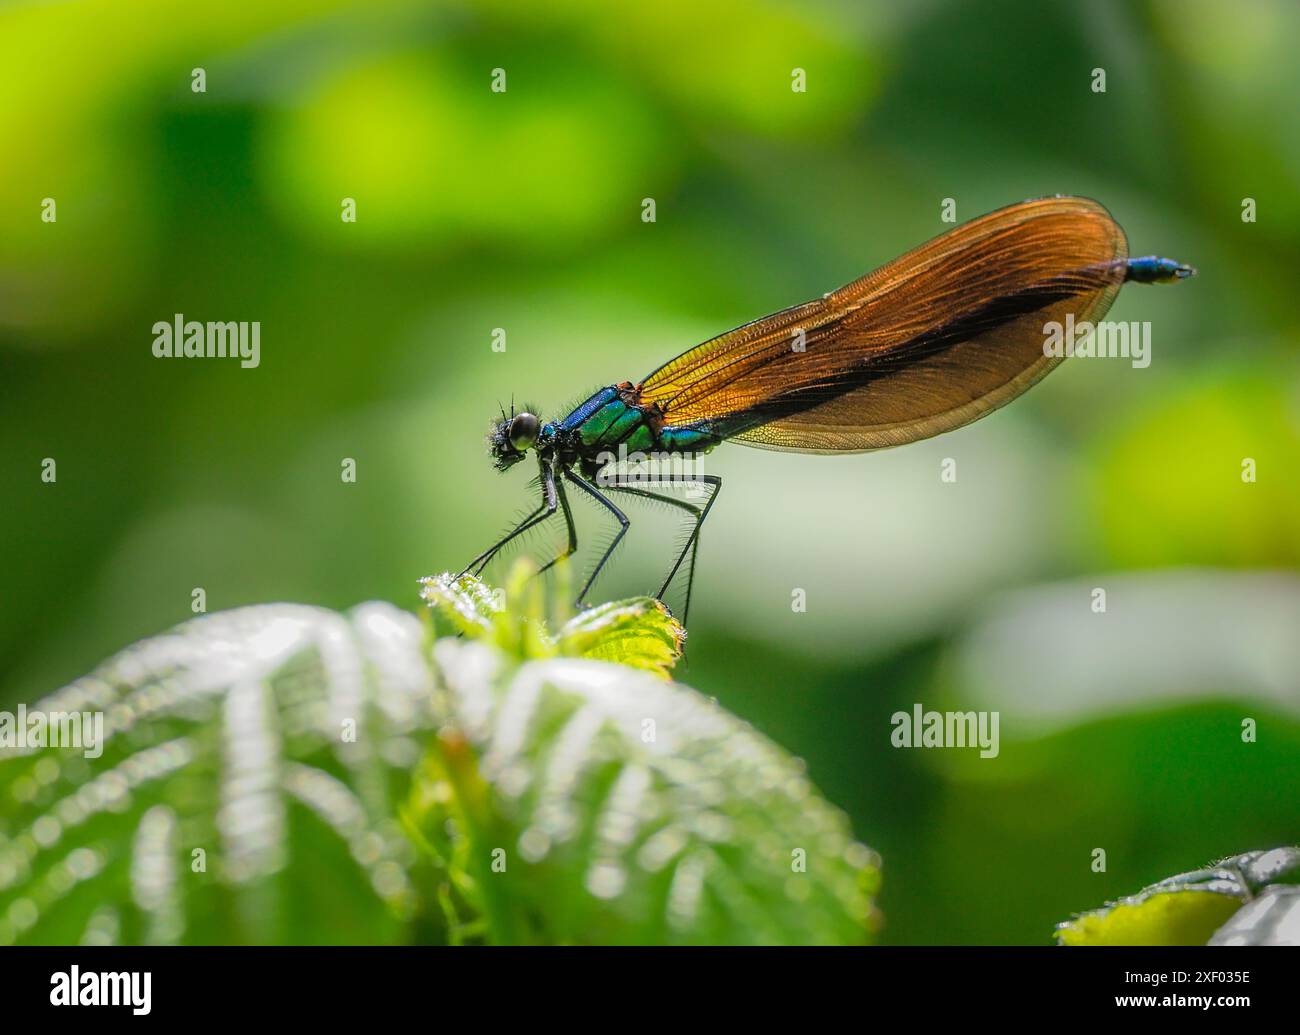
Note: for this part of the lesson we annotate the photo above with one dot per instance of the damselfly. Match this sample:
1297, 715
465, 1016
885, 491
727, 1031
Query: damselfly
932, 341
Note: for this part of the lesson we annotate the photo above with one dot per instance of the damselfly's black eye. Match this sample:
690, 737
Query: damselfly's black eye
523, 431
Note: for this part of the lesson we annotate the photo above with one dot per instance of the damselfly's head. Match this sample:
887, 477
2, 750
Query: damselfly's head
511, 437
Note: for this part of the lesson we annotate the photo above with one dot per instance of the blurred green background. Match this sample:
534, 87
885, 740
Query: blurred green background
522, 210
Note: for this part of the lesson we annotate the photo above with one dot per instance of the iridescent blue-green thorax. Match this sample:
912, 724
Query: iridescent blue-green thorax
613, 421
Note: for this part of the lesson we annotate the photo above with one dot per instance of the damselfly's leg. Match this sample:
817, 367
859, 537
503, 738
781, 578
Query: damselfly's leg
691, 545
623, 524
573, 531
692, 542
692, 509
548, 506
481, 561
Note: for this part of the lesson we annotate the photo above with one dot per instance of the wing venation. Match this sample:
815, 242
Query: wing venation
924, 344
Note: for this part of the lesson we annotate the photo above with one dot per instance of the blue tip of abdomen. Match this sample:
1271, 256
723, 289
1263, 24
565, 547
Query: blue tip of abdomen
1151, 269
